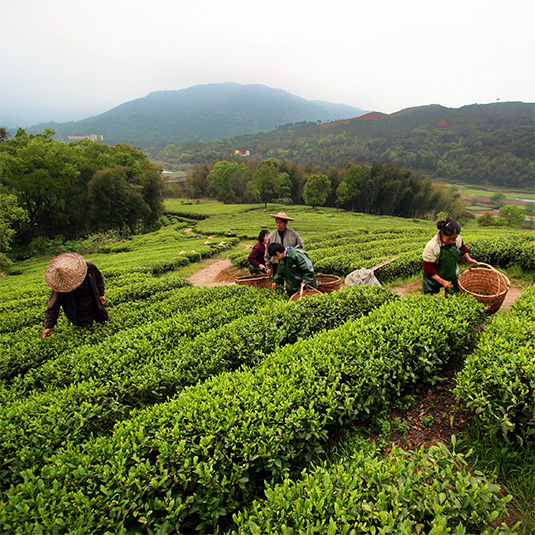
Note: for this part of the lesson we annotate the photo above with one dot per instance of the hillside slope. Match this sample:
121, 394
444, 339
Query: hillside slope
485, 143
203, 112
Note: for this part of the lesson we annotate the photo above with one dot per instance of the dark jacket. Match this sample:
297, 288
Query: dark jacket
296, 267
256, 257
67, 300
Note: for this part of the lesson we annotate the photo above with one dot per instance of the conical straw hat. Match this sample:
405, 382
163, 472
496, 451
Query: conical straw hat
65, 272
282, 215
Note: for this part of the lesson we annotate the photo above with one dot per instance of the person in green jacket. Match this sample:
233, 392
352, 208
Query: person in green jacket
295, 267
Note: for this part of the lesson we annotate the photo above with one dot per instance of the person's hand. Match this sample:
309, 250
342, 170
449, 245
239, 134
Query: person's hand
273, 285
471, 260
270, 272
446, 284
47, 332
102, 299
261, 266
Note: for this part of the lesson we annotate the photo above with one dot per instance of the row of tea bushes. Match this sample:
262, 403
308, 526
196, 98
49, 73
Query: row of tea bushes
342, 253
430, 491
136, 286
27, 349
33, 428
133, 347
505, 251
190, 463
497, 383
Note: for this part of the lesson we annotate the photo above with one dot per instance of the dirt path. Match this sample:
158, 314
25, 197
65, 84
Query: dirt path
217, 273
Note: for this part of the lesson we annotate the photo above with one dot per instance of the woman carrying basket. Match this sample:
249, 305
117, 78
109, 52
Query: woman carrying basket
441, 258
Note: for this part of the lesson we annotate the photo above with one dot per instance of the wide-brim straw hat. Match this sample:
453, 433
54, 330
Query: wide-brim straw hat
282, 215
65, 272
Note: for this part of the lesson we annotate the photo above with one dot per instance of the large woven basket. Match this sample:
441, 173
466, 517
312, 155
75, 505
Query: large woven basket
488, 285
258, 281
305, 291
328, 283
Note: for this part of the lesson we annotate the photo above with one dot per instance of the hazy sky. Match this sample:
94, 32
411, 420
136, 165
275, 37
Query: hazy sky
70, 59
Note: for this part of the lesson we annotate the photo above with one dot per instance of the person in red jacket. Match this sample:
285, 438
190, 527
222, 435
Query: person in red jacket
256, 258
77, 287
441, 257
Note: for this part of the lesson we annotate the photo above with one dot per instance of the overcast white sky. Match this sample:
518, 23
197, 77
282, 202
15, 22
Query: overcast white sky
71, 59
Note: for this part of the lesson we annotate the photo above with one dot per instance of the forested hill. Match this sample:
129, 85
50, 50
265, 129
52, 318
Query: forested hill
203, 112
480, 143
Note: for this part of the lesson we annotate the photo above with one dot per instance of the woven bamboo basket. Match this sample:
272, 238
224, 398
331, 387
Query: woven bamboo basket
488, 285
258, 281
328, 283
305, 291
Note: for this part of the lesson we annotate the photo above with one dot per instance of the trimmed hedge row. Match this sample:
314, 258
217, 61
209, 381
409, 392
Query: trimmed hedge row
497, 383
428, 491
190, 463
132, 348
28, 350
33, 428
31, 311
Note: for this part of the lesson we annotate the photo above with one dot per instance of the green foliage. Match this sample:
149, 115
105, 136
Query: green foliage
60, 184
317, 189
479, 144
375, 494
497, 200
379, 189
269, 182
352, 185
498, 381
11, 215
143, 378
486, 220
512, 214
228, 181
175, 414
222, 438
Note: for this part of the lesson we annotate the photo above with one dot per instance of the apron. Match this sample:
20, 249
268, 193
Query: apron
447, 267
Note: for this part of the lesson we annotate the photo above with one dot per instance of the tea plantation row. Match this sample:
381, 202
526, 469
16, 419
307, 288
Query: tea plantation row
221, 409
191, 462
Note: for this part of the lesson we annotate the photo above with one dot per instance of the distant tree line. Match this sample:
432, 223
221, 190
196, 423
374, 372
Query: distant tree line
484, 149
73, 189
376, 189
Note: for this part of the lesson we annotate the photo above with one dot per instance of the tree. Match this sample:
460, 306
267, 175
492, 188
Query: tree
512, 214
197, 182
316, 191
228, 181
498, 200
529, 211
4, 134
350, 189
11, 214
114, 203
269, 182
486, 220
39, 171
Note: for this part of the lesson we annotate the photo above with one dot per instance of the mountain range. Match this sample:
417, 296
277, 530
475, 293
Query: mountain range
202, 112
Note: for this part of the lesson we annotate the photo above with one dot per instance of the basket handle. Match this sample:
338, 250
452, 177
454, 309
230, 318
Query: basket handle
472, 266
501, 275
